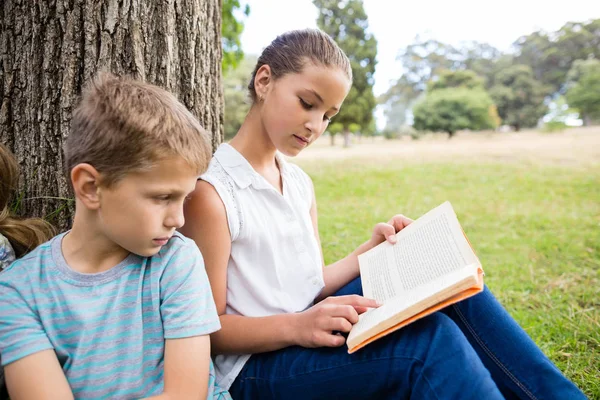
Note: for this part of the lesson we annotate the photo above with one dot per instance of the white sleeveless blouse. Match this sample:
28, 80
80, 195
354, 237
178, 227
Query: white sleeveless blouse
275, 265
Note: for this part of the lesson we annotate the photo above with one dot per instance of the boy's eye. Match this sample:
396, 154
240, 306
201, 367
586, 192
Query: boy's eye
305, 104
164, 197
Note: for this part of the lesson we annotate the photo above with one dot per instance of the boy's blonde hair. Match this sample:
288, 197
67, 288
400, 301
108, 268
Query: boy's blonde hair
122, 125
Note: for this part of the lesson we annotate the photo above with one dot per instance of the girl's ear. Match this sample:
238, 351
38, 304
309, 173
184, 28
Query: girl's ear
86, 179
262, 81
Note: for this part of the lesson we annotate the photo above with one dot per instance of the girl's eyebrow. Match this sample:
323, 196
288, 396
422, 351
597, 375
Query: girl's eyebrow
320, 98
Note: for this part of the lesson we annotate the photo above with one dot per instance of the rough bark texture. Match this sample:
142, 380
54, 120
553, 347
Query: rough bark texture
50, 48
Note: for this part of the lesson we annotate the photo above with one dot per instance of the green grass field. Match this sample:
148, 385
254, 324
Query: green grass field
535, 228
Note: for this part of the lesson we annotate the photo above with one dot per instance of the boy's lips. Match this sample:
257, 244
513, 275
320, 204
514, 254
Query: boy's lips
161, 241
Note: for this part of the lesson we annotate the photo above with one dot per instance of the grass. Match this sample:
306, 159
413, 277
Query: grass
535, 228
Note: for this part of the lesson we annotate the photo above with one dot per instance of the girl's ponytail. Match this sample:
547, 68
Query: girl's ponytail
24, 234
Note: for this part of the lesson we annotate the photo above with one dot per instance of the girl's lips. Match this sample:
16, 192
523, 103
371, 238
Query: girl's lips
301, 140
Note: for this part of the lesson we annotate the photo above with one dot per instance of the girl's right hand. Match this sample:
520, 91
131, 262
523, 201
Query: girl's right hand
318, 325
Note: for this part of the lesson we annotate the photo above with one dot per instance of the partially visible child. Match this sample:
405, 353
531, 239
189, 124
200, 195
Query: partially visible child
120, 305
18, 236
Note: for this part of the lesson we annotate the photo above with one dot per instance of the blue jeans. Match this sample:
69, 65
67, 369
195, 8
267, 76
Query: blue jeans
471, 350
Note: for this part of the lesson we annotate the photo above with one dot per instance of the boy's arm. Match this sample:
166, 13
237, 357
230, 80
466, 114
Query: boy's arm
186, 368
188, 314
38, 376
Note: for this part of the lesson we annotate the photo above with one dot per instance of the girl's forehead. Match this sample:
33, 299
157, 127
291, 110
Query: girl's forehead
329, 83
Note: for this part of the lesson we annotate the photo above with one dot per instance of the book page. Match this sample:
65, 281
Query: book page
425, 296
429, 248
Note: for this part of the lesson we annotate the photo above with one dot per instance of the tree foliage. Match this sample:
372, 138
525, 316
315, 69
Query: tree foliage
549, 55
346, 22
235, 91
583, 91
519, 97
423, 61
456, 79
455, 101
232, 26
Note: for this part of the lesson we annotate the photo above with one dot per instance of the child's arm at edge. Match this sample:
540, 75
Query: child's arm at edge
37, 376
186, 368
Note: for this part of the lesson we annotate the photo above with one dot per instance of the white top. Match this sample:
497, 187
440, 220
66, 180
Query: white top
275, 265
7, 254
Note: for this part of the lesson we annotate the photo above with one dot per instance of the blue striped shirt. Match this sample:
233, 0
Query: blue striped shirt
108, 329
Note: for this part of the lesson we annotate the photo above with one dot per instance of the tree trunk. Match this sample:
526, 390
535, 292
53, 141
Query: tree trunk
49, 49
332, 139
347, 138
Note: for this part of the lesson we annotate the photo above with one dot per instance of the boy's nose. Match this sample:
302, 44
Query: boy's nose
175, 219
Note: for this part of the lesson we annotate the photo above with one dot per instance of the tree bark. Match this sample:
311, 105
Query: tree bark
347, 141
49, 49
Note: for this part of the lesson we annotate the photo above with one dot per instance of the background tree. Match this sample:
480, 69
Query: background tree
456, 79
49, 50
551, 56
231, 31
346, 22
519, 97
423, 61
455, 100
583, 91
235, 90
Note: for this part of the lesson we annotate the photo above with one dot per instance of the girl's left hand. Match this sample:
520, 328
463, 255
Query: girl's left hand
387, 231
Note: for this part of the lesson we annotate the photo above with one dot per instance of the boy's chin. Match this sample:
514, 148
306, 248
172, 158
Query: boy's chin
148, 252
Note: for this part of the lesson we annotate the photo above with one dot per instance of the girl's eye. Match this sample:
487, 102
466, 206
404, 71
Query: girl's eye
305, 105
165, 197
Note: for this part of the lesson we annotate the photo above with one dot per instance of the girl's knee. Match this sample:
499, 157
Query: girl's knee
435, 334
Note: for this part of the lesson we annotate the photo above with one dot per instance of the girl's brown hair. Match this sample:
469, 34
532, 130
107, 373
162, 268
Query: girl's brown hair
24, 234
290, 52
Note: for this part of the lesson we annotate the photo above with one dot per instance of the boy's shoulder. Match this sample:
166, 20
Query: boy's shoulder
178, 245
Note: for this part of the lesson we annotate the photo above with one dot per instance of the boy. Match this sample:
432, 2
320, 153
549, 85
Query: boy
119, 306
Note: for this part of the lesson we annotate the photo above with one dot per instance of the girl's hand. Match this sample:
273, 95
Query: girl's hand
319, 325
387, 231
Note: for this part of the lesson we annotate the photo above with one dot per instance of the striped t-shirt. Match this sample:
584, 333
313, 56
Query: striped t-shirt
108, 329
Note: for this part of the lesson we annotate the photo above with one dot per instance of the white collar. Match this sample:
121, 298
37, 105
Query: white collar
240, 169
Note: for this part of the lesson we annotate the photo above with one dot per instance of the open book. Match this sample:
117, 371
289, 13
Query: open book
431, 266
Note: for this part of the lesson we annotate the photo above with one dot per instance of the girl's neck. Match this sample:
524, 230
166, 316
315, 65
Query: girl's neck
254, 144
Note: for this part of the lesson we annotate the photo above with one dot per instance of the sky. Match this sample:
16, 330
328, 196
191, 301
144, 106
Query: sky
395, 23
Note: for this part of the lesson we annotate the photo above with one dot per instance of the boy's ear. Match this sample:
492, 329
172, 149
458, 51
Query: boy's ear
262, 79
86, 181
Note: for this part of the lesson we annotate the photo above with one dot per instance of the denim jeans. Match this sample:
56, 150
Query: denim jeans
471, 350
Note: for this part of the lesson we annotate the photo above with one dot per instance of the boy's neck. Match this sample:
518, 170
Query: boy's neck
89, 251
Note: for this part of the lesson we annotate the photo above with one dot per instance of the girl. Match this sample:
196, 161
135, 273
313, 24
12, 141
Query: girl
254, 217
